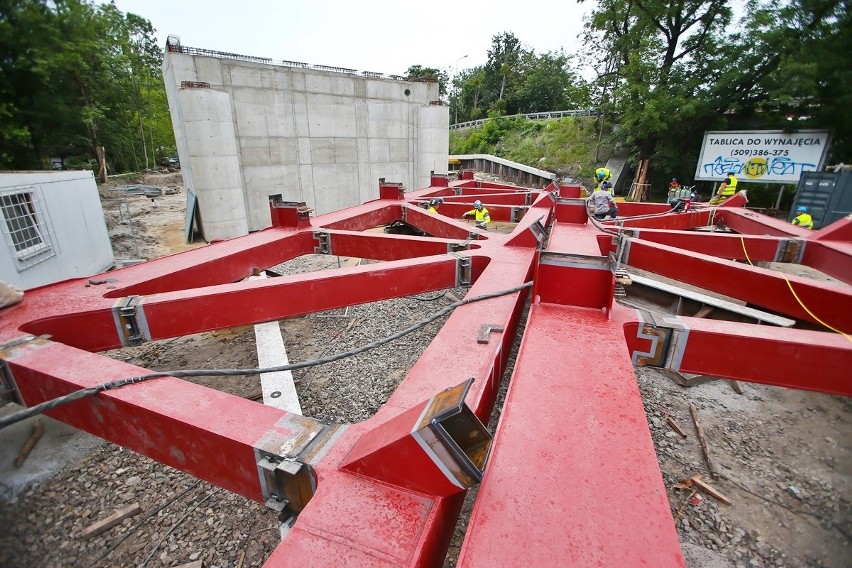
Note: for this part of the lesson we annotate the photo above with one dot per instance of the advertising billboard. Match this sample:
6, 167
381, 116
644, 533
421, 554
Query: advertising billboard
766, 156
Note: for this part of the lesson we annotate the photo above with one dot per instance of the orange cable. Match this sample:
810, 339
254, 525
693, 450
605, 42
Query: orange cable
796, 296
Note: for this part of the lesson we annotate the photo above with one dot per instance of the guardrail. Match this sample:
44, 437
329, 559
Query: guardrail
507, 170
528, 116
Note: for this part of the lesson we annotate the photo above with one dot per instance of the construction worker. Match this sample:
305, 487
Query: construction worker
602, 175
727, 189
601, 203
480, 213
803, 219
434, 203
674, 185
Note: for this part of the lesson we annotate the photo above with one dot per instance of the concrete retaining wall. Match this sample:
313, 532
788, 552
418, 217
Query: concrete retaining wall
312, 135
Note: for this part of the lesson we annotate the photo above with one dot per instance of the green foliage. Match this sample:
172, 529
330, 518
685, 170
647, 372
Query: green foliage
566, 146
76, 76
670, 71
418, 72
516, 80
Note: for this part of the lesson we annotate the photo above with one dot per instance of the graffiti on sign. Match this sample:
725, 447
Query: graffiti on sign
761, 156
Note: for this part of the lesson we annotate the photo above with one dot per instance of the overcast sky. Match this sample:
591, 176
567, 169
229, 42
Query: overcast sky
366, 35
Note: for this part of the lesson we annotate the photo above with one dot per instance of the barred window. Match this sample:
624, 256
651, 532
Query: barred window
26, 227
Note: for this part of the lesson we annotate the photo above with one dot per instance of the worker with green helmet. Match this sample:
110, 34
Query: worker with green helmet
480, 213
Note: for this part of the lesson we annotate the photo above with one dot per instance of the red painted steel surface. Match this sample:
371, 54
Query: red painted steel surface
803, 359
760, 287
572, 413
573, 479
573, 446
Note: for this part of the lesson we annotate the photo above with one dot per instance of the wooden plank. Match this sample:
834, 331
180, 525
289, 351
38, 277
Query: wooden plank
697, 482
701, 440
35, 436
109, 522
675, 426
758, 315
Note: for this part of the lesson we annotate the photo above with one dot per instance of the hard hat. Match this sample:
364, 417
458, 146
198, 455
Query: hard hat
802, 208
606, 185
477, 204
674, 179
601, 175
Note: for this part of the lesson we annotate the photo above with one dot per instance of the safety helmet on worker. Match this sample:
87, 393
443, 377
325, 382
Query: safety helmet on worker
477, 204
606, 185
435, 201
801, 209
601, 175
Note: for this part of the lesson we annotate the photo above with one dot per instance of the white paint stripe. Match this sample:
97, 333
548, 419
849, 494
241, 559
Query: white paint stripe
278, 388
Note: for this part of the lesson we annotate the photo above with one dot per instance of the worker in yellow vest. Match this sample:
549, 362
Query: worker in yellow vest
434, 203
480, 213
803, 219
602, 175
727, 189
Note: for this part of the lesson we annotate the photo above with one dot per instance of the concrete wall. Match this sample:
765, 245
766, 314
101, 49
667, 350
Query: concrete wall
312, 135
71, 222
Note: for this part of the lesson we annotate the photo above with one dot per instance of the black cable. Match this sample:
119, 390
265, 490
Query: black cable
432, 299
92, 391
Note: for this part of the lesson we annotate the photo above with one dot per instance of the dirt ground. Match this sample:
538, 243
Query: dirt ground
783, 457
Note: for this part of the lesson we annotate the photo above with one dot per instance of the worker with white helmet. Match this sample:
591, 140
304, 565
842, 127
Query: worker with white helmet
480, 213
803, 219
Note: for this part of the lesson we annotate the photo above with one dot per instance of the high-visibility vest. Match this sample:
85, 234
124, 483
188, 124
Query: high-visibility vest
804, 220
432, 209
482, 215
731, 188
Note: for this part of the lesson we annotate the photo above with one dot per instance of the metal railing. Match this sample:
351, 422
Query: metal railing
174, 46
528, 116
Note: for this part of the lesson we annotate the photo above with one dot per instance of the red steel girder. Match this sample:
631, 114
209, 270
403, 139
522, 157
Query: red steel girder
832, 303
197, 429
572, 415
572, 446
723, 245
794, 358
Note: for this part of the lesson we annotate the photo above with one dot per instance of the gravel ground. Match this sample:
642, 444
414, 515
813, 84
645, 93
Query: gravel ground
784, 457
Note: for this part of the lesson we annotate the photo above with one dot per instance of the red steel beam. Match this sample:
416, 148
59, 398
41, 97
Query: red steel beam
832, 258
353, 518
768, 289
204, 432
378, 246
549, 456
348, 515
753, 223
671, 221
723, 245
748, 352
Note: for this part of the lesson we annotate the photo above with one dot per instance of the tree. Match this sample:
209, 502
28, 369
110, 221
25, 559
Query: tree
502, 67
546, 82
78, 76
679, 68
419, 73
